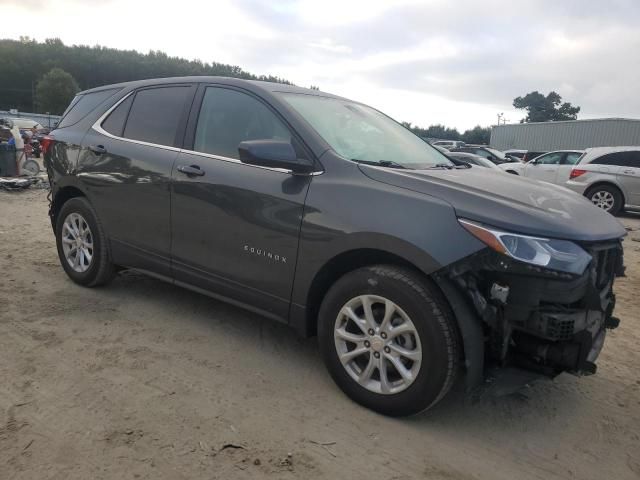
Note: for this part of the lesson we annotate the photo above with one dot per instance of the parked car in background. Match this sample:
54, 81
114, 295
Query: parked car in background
496, 156
531, 154
523, 155
326, 214
552, 167
25, 123
448, 144
472, 159
519, 154
609, 177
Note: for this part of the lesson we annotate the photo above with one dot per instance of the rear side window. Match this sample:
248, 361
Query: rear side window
114, 124
228, 117
155, 115
621, 159
82, 105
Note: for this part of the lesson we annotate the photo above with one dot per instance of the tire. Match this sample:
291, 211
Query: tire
96, 271
435, 335
607, 197
31, 166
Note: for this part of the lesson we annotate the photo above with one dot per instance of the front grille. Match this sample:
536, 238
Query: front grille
605, 261
560, 328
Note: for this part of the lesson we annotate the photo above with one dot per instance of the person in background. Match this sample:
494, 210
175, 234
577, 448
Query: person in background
19, 143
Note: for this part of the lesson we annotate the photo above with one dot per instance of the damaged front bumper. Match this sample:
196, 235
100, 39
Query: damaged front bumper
532, 318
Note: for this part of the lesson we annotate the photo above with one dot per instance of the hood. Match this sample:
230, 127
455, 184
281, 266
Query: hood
509, 202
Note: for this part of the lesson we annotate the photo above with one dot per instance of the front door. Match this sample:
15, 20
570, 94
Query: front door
235, 227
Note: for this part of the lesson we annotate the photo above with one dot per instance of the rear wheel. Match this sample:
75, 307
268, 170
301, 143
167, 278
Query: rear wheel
82, 244
389, 340
607, 197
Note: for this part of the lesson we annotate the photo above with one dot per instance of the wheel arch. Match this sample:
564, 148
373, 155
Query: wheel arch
335, 268
607, 183
469, 326
60, 197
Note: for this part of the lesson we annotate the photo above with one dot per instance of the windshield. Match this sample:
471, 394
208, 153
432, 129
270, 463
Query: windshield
360, 133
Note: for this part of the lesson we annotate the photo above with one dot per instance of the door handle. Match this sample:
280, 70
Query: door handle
628, 172
191, 170
98, 149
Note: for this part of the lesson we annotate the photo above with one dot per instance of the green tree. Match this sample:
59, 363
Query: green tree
23, 62
477, 135
545, 109
55, 91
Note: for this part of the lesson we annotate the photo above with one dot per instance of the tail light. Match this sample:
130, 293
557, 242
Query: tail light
576, 172
45, 142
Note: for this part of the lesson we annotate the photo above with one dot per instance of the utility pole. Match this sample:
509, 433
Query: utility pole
500, 117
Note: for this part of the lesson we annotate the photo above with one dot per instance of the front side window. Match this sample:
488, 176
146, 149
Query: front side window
155, 115
573, 158
550, 159
228, 117
360, 133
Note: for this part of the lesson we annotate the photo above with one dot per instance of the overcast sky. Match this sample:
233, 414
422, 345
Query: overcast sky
432, 61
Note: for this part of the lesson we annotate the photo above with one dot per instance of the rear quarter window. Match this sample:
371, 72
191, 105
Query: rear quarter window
84, 104
621, 159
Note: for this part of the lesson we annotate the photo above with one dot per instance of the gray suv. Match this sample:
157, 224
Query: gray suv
329, 216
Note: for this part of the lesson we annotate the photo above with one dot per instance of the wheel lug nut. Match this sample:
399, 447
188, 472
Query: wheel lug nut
376, 354
367, 344
387, 350
383, 335
371, 332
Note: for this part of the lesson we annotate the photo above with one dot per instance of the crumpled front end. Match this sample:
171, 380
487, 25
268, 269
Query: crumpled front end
541, 320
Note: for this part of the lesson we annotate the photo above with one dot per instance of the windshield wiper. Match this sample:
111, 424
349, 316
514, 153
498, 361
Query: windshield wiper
382, 163
448, 166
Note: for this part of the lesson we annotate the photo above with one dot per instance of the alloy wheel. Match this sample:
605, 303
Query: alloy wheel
603, 199
377, 344
77, 242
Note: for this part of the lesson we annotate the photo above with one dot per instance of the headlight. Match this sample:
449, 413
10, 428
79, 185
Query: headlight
544, 252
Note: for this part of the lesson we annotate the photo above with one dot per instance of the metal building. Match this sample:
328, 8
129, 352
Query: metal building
571, 134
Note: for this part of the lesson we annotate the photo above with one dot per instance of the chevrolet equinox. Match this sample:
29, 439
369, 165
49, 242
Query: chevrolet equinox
326, 214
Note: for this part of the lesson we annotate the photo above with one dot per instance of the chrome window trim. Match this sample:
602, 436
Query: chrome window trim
97, 126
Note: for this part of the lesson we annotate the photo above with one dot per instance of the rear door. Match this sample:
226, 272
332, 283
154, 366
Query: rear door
545, 168
125, 165
235, 227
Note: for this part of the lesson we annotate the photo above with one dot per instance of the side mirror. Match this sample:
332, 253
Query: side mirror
273, 154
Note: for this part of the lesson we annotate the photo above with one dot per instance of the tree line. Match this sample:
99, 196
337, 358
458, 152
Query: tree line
477, 135
43, 77
24, 63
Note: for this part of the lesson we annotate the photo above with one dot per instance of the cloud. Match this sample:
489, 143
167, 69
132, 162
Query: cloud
430, 61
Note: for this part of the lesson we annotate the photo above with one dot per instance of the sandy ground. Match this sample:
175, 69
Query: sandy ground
144, 380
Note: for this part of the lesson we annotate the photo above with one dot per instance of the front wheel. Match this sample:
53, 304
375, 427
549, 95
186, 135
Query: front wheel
389, 340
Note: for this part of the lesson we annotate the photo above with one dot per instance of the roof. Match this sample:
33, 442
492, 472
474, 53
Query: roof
585, 120
262, 85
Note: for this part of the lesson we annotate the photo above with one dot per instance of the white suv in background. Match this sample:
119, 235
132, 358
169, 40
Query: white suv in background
609, 177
